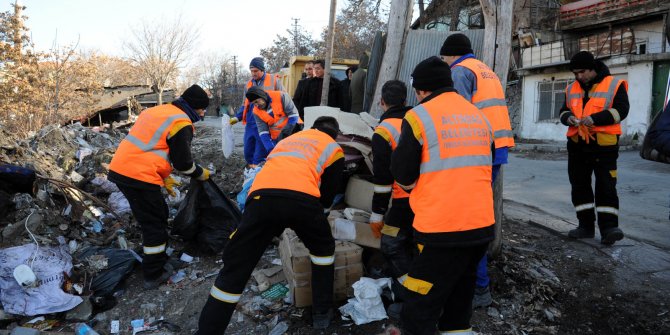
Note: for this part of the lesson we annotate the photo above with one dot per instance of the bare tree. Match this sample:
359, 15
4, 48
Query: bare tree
160, 49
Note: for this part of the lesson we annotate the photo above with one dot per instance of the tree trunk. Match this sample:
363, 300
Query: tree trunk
159, 96
329, 53
498, 32
455, 17
399, 20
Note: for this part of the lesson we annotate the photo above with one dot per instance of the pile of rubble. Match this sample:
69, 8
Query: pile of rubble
66, 236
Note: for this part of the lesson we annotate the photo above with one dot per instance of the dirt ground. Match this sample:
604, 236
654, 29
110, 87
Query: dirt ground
542, 283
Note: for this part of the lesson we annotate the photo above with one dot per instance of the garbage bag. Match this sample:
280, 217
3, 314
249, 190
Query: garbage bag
120, 263
49, 264
249, 176
206, 216
227, 136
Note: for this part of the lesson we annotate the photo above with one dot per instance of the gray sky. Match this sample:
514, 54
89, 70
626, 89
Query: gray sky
235, 27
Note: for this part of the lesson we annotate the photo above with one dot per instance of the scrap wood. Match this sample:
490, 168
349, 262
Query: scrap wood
77, 194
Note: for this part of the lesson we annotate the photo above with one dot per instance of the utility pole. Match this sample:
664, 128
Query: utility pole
329, 53
295, 36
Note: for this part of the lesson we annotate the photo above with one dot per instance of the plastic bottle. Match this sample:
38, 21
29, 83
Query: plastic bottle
84, 329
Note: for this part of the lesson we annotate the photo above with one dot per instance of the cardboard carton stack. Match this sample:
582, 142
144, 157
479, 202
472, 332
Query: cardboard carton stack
298, 268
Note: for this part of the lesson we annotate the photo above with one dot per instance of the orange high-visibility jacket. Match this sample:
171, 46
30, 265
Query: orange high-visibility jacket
490, 99
297, 163
271, 82
389, 129
278, 120
143, 153
601, 98
453, 192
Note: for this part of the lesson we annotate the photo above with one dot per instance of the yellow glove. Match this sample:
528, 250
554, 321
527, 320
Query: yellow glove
204, 176
376, 224
234, 120
170, 184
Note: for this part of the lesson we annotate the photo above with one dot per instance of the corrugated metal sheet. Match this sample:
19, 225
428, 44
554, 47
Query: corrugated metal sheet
422, 44
373, 68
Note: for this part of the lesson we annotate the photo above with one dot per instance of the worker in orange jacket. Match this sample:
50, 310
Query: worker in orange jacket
395, 230
444, 159
273, 111
595, 104
292, 190
254, 152
159, 140
478, 84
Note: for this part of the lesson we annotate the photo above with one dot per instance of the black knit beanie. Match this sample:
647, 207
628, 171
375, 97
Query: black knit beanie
456, 45
255, 92
258, 63
582, 60
196, 97
431, 74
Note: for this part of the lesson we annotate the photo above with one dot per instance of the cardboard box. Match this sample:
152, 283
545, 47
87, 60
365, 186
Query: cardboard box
298, 268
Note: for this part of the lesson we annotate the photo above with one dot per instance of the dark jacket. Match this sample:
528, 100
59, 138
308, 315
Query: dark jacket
357, 87
312, 93
660, 134
298, 96
381, 165
345, 96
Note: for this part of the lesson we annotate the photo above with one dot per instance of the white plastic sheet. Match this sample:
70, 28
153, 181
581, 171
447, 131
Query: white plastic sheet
227, 136
49, 265
367, 305
343, 229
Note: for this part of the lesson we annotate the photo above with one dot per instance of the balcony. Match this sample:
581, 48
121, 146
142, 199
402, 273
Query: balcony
598, 13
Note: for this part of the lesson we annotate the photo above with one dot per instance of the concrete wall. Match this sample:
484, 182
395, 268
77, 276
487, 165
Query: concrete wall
639, 78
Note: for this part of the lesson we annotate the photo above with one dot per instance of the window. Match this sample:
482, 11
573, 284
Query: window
552, 97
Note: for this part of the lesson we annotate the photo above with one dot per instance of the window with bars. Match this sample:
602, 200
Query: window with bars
551, 97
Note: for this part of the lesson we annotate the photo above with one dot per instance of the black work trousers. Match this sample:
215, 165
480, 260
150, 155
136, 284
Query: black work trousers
582, 164
151, 212
439, 288
397, 242
265, 217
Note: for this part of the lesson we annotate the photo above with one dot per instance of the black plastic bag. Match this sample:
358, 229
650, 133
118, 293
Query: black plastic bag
206, 216
120, 263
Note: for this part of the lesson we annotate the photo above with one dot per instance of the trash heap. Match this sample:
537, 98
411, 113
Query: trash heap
67, 241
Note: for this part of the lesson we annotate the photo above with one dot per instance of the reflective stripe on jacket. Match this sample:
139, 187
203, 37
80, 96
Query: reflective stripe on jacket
601, 98
489, 97
453, 192
143, 153
389, 129
297, 163
270, 83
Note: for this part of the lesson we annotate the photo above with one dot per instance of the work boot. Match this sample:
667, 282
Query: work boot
322, 320
168, 271
580, 232
482, 297
611, 235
